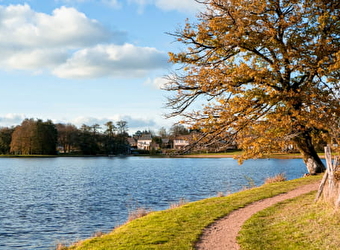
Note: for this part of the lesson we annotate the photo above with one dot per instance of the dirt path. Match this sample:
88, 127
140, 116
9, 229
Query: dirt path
221, 235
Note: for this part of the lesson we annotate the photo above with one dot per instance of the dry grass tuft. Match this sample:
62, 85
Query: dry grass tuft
98, 234
277, 178
138, 213
220, 194
61, 246
180, 203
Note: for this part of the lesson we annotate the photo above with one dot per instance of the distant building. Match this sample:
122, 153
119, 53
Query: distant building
132, 142
144, 142
181, 142
166, 143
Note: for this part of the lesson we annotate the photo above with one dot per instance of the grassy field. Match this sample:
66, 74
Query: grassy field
181, 227
298, 223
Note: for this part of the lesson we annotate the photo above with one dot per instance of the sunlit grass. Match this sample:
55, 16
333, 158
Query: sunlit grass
180, 228
298, 223
236, 153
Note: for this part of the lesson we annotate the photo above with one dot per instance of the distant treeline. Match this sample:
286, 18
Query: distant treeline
38, 137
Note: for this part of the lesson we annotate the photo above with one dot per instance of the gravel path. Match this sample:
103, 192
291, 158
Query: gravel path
221, 235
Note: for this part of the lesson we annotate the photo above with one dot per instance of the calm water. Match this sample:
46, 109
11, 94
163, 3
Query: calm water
51, 200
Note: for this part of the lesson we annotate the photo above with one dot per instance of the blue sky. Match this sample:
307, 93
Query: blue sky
88, 61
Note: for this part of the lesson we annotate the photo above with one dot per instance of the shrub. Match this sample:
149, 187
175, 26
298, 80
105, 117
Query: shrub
180, 203
60, 246
277, 178
138, 213
98, 234
220, 194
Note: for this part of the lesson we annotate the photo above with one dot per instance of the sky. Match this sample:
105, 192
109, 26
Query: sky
88, 61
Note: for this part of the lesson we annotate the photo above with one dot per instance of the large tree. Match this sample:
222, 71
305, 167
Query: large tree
67, 137
266, 72
88, 140
5, 139
109, 138
34, 137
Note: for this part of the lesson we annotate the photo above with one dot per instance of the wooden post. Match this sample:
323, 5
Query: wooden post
331, 193
322, 185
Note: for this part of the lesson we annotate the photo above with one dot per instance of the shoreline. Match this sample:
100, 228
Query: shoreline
274, 156
196, 217
208, 155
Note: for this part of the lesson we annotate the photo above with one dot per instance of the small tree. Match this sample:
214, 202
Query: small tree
178, 129
267, 73
110, 137
122, 127
122, 145
162, 132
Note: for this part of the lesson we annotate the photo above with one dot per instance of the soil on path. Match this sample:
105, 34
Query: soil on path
222, 234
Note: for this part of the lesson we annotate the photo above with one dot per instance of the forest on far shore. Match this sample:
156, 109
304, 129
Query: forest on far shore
38, 137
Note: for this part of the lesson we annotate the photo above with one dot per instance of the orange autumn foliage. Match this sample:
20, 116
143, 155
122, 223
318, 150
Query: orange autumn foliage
266, 73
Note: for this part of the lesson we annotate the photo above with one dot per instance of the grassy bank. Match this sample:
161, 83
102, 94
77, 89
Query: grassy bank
235, 154
180, 228
298, 223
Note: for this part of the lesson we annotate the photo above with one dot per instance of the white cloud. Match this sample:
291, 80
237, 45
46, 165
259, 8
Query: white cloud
112, 3
34, 59
23, 28
157, 83
69, 45
179, 5
112, 60
8, 120
132, 123
72, 1
189, 6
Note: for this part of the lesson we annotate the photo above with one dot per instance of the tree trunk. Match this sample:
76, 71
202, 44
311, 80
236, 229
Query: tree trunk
310, 157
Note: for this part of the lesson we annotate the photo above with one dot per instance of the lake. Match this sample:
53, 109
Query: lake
45, 201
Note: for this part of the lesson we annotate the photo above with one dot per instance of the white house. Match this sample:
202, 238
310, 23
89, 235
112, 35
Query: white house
144, 142
180, 142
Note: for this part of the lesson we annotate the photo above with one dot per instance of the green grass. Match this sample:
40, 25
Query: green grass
181, 227
28, 156
297, 223
237, 153
229, 152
